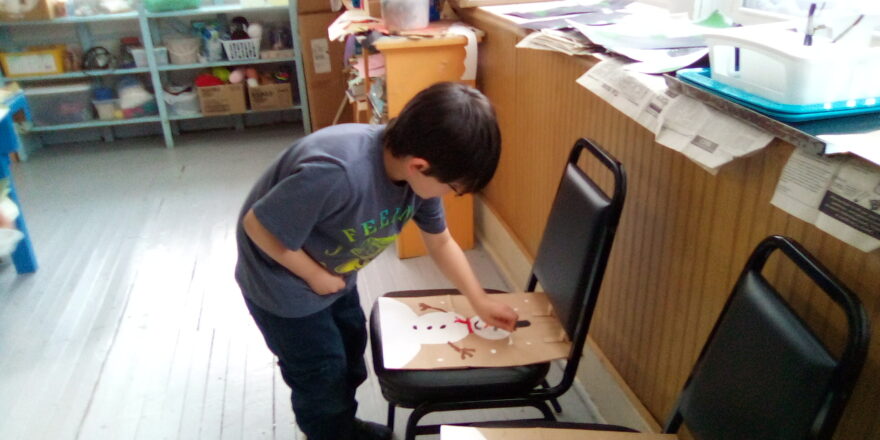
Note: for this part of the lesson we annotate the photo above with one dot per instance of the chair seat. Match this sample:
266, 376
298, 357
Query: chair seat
408, 388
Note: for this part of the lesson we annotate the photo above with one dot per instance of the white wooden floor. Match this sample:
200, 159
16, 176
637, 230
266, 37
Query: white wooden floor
133, 327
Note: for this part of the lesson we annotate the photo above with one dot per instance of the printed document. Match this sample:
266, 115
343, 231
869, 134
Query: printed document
840, 195
705, 135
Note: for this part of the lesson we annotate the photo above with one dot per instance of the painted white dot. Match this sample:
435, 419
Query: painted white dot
528, 342
870, 101
442, 302
827, 106
493, 351
525, 300
515, 309
851, 103
439, 359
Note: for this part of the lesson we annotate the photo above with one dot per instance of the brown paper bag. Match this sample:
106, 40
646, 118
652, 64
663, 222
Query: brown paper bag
436, 332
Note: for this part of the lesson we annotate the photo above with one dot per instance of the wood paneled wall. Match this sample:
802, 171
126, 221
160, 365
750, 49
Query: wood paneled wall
684, 234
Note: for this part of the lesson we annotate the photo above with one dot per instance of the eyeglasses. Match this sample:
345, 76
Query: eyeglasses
455, 190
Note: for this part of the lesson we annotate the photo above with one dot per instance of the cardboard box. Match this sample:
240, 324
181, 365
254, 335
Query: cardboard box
373, 8
27, 11
227, 99
322, 61
35, 61
270, 97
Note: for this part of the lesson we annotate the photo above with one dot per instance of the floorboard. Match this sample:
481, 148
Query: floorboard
133, 327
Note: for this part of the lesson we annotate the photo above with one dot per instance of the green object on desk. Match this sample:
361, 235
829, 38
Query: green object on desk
716, 20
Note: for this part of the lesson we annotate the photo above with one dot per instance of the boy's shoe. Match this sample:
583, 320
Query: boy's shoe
365, 430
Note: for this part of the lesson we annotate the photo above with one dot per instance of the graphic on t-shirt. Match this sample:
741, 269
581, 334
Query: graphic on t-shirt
361, 242
366, 252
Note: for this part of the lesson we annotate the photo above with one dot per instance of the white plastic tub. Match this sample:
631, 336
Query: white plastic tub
183, 50
140, 56
771, 61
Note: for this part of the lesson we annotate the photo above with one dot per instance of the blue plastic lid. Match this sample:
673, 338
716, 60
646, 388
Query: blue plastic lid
103, 93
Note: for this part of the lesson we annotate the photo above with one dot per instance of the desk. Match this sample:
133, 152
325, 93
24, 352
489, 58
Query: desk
23, 257
684, 233
411, 66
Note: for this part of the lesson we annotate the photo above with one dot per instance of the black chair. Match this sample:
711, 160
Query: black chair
569, 265
763, 373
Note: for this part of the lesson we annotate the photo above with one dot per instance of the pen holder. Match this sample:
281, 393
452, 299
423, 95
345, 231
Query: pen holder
771, 61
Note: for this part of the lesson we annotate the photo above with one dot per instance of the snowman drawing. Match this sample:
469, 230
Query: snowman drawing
404, 331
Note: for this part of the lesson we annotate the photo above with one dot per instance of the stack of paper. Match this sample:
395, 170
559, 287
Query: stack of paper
566, 41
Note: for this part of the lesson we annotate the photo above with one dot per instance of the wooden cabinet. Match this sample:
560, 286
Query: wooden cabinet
411, 66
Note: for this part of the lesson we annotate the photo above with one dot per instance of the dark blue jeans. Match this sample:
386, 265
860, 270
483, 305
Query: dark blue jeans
322, 360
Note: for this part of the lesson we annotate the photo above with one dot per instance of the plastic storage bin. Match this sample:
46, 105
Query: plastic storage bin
140, 56
246, 49
65, 104
771, 61
184, 103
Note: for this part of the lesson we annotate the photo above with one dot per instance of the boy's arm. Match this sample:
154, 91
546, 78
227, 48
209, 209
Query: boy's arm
451, 260
298, 262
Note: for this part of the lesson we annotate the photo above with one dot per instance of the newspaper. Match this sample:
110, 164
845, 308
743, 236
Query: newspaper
703, 134
641, 97
706, 135
840, 195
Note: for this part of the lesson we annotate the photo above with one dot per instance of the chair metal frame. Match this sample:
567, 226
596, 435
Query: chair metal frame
848, 364
588, 285
843, 378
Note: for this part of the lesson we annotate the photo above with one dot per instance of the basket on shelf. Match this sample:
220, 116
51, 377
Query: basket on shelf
247, 49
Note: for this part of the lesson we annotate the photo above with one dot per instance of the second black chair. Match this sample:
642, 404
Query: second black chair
763, 374
569, 265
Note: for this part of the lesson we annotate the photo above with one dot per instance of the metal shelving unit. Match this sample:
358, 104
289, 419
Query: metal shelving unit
93, 124
150, 37
83, 74
169, 67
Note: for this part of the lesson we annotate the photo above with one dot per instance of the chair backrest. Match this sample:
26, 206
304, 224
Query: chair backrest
574, 248
763, 373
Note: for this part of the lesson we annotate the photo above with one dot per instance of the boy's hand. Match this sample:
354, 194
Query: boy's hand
497, 314
325, 283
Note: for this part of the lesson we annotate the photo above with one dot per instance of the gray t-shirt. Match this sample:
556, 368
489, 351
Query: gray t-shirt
330, 196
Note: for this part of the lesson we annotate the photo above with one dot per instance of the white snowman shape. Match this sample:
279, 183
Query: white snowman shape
404, 332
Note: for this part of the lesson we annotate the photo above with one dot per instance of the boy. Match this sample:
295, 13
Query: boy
328, 206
